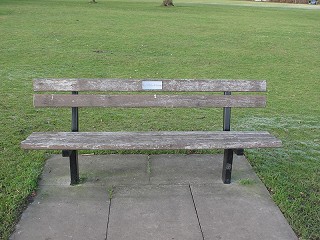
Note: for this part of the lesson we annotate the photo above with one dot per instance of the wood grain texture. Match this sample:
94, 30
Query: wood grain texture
149, 140
142, 100
178, 85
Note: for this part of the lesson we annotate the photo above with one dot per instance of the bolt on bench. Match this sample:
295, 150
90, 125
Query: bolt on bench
70, 142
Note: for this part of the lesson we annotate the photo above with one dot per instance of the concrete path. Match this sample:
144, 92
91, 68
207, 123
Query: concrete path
140, 197
256, 3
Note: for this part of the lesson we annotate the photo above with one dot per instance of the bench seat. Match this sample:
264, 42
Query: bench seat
149, 140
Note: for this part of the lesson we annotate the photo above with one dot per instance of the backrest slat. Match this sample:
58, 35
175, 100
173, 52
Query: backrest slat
132, 85
143, 100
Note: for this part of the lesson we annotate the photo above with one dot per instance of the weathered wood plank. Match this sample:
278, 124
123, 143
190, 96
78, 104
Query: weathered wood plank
142, 100
178, 85
149, 140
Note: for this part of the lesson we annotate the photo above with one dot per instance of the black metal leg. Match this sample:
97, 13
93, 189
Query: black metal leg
74, 167
227, 166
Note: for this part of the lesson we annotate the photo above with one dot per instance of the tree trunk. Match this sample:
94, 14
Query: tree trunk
167, 3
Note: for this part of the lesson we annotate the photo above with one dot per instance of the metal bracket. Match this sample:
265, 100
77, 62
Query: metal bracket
239, 151
66, 153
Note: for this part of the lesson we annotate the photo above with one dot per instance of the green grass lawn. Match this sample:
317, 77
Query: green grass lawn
140, 39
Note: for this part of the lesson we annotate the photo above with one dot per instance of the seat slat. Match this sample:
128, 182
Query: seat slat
178, 85
149, 140
142, 100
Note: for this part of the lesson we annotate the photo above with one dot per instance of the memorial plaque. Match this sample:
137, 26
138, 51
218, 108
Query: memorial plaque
151, 85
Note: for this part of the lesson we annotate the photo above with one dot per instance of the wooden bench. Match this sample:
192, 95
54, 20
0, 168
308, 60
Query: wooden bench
162, 93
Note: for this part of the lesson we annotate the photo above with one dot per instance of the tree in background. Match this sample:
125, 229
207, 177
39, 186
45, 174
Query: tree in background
167, 3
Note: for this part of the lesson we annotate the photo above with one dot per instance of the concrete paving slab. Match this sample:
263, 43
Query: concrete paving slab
239, 212
195, 169
103, 170
153, 212
162, 207
65, 212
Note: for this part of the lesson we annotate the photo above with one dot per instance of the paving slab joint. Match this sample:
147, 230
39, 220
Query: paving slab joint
196, 211
149, 170
108, 220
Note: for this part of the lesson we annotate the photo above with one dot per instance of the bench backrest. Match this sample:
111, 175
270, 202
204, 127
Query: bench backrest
155, 99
